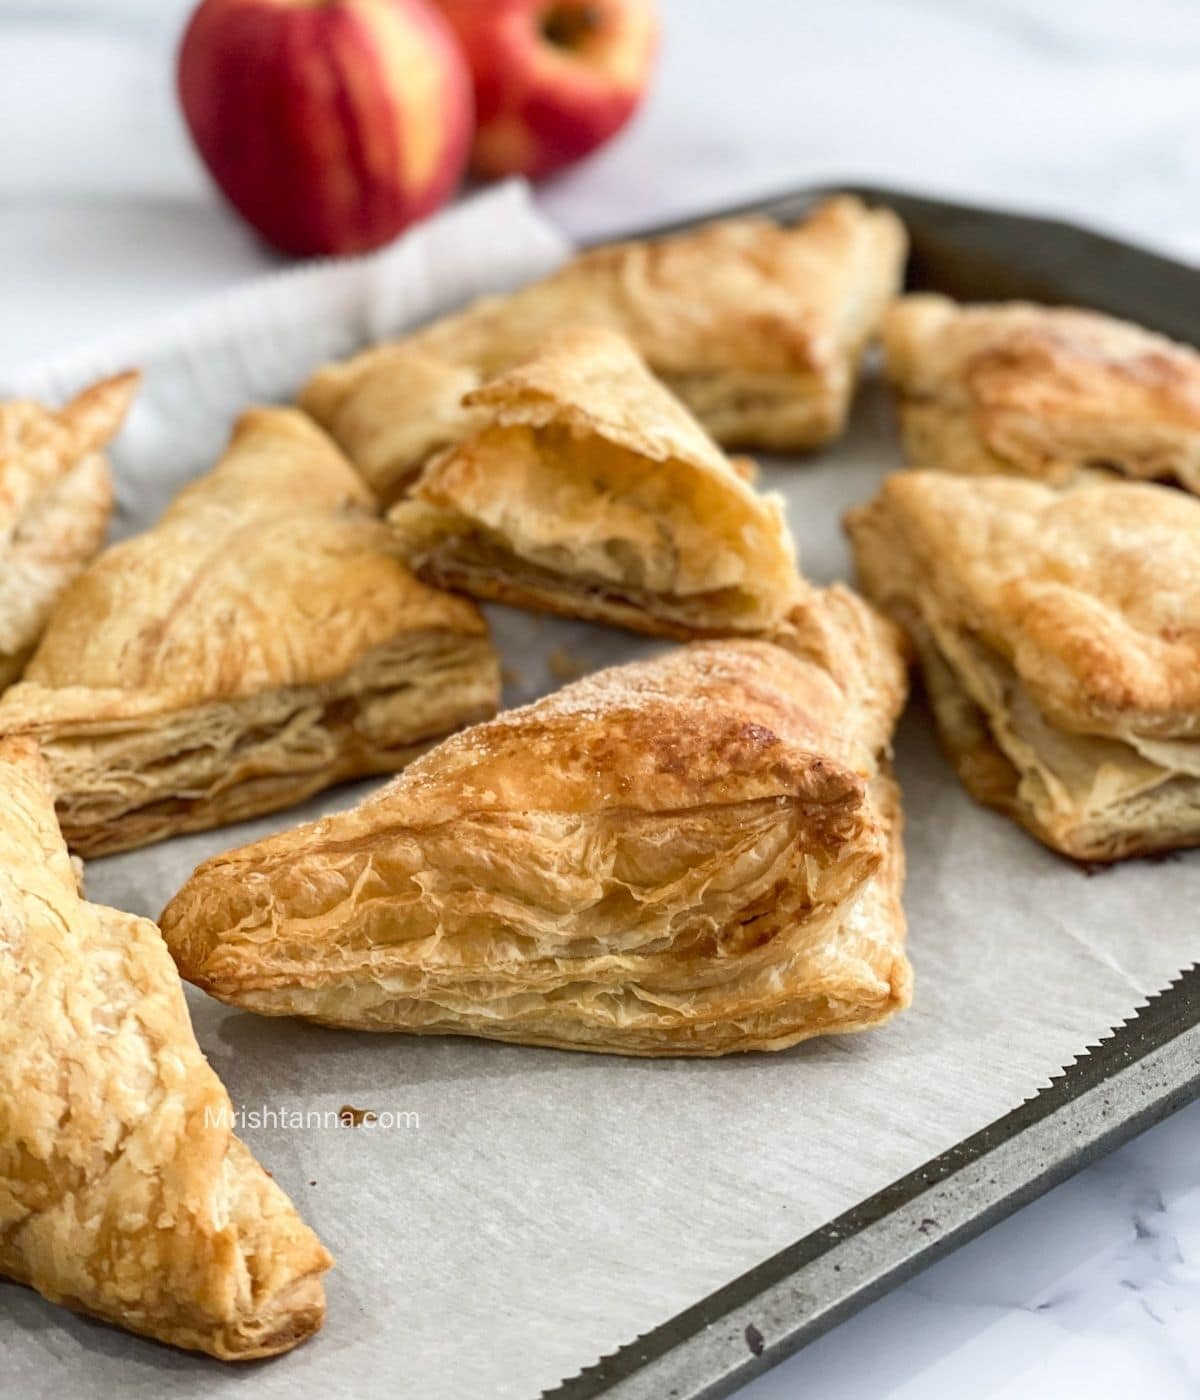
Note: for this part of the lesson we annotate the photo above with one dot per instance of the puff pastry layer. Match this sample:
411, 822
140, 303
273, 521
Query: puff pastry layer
757, 327
1043, 392
1059, 633
588, 490
123, 1192
693, 855
260, 643
55, 501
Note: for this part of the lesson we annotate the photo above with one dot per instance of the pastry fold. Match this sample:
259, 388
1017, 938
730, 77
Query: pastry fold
123, 1192
587, 489
1059, 633
260, 643
759, 328
1045, 392
55, 501
691, 855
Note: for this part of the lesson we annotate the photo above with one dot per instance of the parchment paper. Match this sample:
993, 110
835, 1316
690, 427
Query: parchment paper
545, 1207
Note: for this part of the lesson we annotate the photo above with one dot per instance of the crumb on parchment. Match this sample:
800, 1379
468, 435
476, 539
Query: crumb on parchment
564, 666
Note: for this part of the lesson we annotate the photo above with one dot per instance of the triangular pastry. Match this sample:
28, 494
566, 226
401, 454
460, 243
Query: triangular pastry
690, 855
390, 408
261, 642
1042, 391
55, 501
587, 489
758, 327
123, 1192
1059, 632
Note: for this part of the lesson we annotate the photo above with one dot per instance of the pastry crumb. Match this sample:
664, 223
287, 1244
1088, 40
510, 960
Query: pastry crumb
564, 666
351, 1117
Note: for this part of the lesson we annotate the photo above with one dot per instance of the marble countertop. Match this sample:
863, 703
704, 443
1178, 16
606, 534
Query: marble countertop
1086, 110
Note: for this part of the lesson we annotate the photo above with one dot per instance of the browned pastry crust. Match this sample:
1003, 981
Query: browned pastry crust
123, 1192
1060, 638
757, 327
692, 855
1040, 391
588, 490
260, 643
864, 652
390, 408
55, 502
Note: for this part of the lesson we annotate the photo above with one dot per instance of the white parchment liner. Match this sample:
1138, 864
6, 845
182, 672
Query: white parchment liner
545, 1207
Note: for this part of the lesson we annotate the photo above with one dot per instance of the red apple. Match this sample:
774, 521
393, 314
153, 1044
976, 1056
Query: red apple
554, 79
329, 124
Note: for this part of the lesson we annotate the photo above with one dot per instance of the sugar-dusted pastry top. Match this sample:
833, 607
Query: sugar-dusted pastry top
695, 854
1092, 595
588, 489
268, 572
756, 326
1042, 391
711, 722
55, 501
125, 1193
744, 293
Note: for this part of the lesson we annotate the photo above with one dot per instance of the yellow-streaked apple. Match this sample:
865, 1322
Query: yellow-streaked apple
554, 79
330, 125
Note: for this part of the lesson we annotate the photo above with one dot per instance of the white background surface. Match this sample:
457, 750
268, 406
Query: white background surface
1088, 110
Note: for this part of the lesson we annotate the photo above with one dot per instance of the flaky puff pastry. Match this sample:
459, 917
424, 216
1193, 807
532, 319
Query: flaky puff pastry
123, 1192
55, 501
759, 328
587, 489
1059, 633
260, 643
1042, 392
691, 855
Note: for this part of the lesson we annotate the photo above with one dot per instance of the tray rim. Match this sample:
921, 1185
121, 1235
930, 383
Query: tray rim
1143, 1070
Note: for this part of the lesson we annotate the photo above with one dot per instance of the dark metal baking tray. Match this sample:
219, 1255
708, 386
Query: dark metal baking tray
1146, 1069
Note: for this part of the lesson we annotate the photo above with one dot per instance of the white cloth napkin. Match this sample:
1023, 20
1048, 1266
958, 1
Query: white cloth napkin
258, 343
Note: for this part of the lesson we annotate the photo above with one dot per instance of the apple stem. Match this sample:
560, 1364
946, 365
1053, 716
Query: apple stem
567, 25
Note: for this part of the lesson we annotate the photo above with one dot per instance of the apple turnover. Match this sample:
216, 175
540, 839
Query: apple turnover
1059, 633
1041, 391
55, 501
759, 328
260, 643
123, 1191
690, 855
588, 490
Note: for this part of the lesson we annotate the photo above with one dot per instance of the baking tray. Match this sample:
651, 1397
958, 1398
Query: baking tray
1146, 1069
559, 1204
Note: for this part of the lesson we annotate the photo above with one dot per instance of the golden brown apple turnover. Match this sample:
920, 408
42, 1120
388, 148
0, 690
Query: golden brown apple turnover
1059, 632
690, 855
1041, 391
759, 328
260, 643
587, 489
55, 501
123, 1191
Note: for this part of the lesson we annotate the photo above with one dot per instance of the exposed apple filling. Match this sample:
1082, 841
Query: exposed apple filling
481, 565
579, 518
1098, 794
